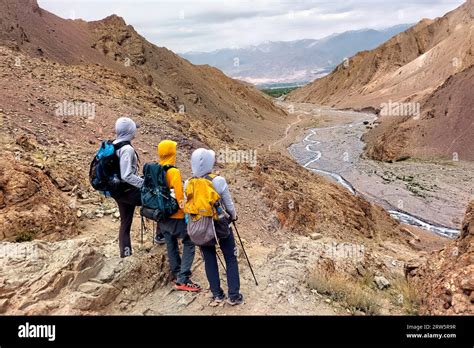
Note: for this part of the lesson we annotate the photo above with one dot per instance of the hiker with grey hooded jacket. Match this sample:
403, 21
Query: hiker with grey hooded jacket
128, 196
202, 164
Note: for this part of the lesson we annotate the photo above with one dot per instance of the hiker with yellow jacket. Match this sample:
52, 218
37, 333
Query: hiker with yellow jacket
174, 227
210, 210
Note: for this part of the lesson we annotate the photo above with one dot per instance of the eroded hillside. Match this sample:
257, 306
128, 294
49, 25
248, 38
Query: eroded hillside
413, 68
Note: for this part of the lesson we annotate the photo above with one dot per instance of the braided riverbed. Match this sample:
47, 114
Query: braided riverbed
336, 152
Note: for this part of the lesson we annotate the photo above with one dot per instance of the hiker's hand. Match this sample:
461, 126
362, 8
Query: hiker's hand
235, 218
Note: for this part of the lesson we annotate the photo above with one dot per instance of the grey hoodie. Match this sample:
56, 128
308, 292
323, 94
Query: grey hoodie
125, 129
202, 163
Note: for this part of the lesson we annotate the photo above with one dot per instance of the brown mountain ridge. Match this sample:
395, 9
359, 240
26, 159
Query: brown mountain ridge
176, 84
412, 67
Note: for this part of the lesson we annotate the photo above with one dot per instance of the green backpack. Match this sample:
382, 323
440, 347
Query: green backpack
157, 202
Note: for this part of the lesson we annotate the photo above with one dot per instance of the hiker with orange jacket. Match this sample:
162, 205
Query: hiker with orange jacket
174, 227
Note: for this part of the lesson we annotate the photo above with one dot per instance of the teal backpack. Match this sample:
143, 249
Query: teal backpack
157, 202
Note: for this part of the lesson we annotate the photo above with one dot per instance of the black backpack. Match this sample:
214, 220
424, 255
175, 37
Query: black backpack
104, 172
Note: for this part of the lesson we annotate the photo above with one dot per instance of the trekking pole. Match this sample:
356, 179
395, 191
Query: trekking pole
220, 260
245, 253
141, 230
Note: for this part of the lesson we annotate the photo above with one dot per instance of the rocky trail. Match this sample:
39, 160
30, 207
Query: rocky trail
287, 132
282, 290
88, 277
84, 275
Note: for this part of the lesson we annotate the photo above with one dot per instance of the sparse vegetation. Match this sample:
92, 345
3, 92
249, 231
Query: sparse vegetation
405, 295
278, 92
343, 289
360, 295
416, 189
24, 236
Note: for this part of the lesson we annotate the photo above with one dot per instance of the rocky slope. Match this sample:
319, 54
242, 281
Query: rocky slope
200, 90
445, 127
410, 67
176, 84
49, 155
62, 146
446, 279
30, 205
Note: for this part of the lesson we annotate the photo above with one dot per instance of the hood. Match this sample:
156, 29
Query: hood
167, 152
202, 162
125, 129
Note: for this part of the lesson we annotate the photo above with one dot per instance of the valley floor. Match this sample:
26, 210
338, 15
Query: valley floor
436, 191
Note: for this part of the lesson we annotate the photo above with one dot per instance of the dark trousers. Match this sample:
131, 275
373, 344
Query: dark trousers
127, 202
229, 249
158, 233
173, 230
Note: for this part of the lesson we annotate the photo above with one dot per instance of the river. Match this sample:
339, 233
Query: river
335, 152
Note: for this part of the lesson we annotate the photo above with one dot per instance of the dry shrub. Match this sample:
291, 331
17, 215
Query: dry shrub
343, 289
406, 295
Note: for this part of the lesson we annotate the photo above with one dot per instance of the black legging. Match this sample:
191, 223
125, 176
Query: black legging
126, 204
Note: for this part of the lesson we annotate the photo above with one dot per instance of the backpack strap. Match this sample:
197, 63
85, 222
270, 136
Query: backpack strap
210, 177
153, 166
138, 158
167, 167
118, 146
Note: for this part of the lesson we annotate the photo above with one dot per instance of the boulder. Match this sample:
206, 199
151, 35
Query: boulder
3, 305
381, 282
445, 282
96, 296
316, 236
31, 205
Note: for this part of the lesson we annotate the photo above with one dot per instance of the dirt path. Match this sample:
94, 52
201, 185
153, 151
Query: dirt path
287, 131
280, 270
281, 263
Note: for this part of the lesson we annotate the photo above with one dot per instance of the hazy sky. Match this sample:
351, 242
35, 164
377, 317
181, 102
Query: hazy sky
204, 25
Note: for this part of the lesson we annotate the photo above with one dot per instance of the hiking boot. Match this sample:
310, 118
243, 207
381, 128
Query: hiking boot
217, 301
189, 286
237, 301
160, 240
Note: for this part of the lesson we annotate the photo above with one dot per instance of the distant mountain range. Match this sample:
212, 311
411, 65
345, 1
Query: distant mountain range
292, 61
431, 65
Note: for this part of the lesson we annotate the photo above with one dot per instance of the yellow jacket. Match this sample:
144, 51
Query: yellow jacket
167, 156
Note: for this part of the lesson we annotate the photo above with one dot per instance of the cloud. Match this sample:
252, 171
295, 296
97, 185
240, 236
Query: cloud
204, 25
